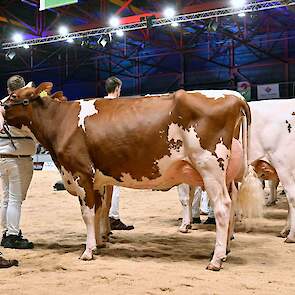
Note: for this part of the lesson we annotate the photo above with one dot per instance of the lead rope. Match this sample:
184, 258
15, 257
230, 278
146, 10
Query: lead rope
6, 130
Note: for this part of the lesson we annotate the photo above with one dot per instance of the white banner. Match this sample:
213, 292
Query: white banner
268, 91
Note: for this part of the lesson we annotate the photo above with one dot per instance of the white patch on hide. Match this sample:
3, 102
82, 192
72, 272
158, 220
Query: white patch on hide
71, 184
87, 109
174, 133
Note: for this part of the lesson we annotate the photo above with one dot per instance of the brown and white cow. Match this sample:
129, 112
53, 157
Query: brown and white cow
146, 143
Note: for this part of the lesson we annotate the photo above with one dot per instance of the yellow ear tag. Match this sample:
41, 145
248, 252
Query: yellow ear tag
43, 93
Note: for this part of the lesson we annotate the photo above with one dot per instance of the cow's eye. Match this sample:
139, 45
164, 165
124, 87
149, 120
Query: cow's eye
13, 96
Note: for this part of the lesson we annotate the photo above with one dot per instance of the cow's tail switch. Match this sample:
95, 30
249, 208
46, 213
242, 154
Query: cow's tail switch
250, 195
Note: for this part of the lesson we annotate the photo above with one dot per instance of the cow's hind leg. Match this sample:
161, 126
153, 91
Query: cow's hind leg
214, 181
234, 196
288, 183
105, 227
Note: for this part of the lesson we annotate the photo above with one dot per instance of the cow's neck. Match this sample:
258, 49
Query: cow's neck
43, 122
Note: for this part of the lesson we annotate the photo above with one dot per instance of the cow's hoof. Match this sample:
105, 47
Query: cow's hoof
87, 255
289, 241
213, 267
284, 234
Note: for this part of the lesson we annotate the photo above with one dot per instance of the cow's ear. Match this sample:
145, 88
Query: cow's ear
45, 86
59, 96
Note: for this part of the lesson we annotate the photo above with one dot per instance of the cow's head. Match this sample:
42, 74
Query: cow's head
18, 105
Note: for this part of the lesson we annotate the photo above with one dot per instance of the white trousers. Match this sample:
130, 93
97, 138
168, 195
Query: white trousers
200, 201
114, 210
16, 175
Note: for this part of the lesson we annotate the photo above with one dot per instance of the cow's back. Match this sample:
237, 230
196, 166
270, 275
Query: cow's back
272, 129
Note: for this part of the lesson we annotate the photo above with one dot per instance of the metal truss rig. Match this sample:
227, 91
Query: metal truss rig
250, 7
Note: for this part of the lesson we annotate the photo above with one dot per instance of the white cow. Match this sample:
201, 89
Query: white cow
273, 138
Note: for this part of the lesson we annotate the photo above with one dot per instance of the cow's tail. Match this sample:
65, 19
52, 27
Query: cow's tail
250, 195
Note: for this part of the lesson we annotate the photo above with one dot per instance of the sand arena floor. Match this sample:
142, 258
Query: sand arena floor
152, 259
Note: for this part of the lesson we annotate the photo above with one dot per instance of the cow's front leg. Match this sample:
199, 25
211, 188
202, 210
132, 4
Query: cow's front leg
90, 203
88, 214
273, 193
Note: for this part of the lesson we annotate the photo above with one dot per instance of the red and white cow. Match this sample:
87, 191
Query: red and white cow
147, 143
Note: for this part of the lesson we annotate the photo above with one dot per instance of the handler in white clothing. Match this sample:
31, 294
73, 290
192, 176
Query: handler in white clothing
16, 170
113, 88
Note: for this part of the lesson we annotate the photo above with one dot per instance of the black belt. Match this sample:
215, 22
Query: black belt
14, 156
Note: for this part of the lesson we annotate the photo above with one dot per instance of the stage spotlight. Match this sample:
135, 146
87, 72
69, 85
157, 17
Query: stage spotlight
175, 24
17, 37
10, 55
114, 21
169, 12
120, 33
103, 42
238, 3
26, 46
242, 14
70, 40
63, 30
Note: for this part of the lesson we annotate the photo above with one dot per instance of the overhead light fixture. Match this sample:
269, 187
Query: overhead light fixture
103, 42
169, 12
238, 3
120, 33
26, 46
175, 24
114, 21
212, 26
63, 30
10, 55
242, 14
17, 37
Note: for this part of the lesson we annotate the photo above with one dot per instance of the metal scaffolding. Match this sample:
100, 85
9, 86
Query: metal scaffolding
148, 23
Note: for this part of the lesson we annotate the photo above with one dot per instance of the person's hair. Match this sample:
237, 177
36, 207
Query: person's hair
15, 82
112, 83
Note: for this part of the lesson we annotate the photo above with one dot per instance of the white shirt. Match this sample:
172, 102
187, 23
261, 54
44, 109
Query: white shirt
110, 96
